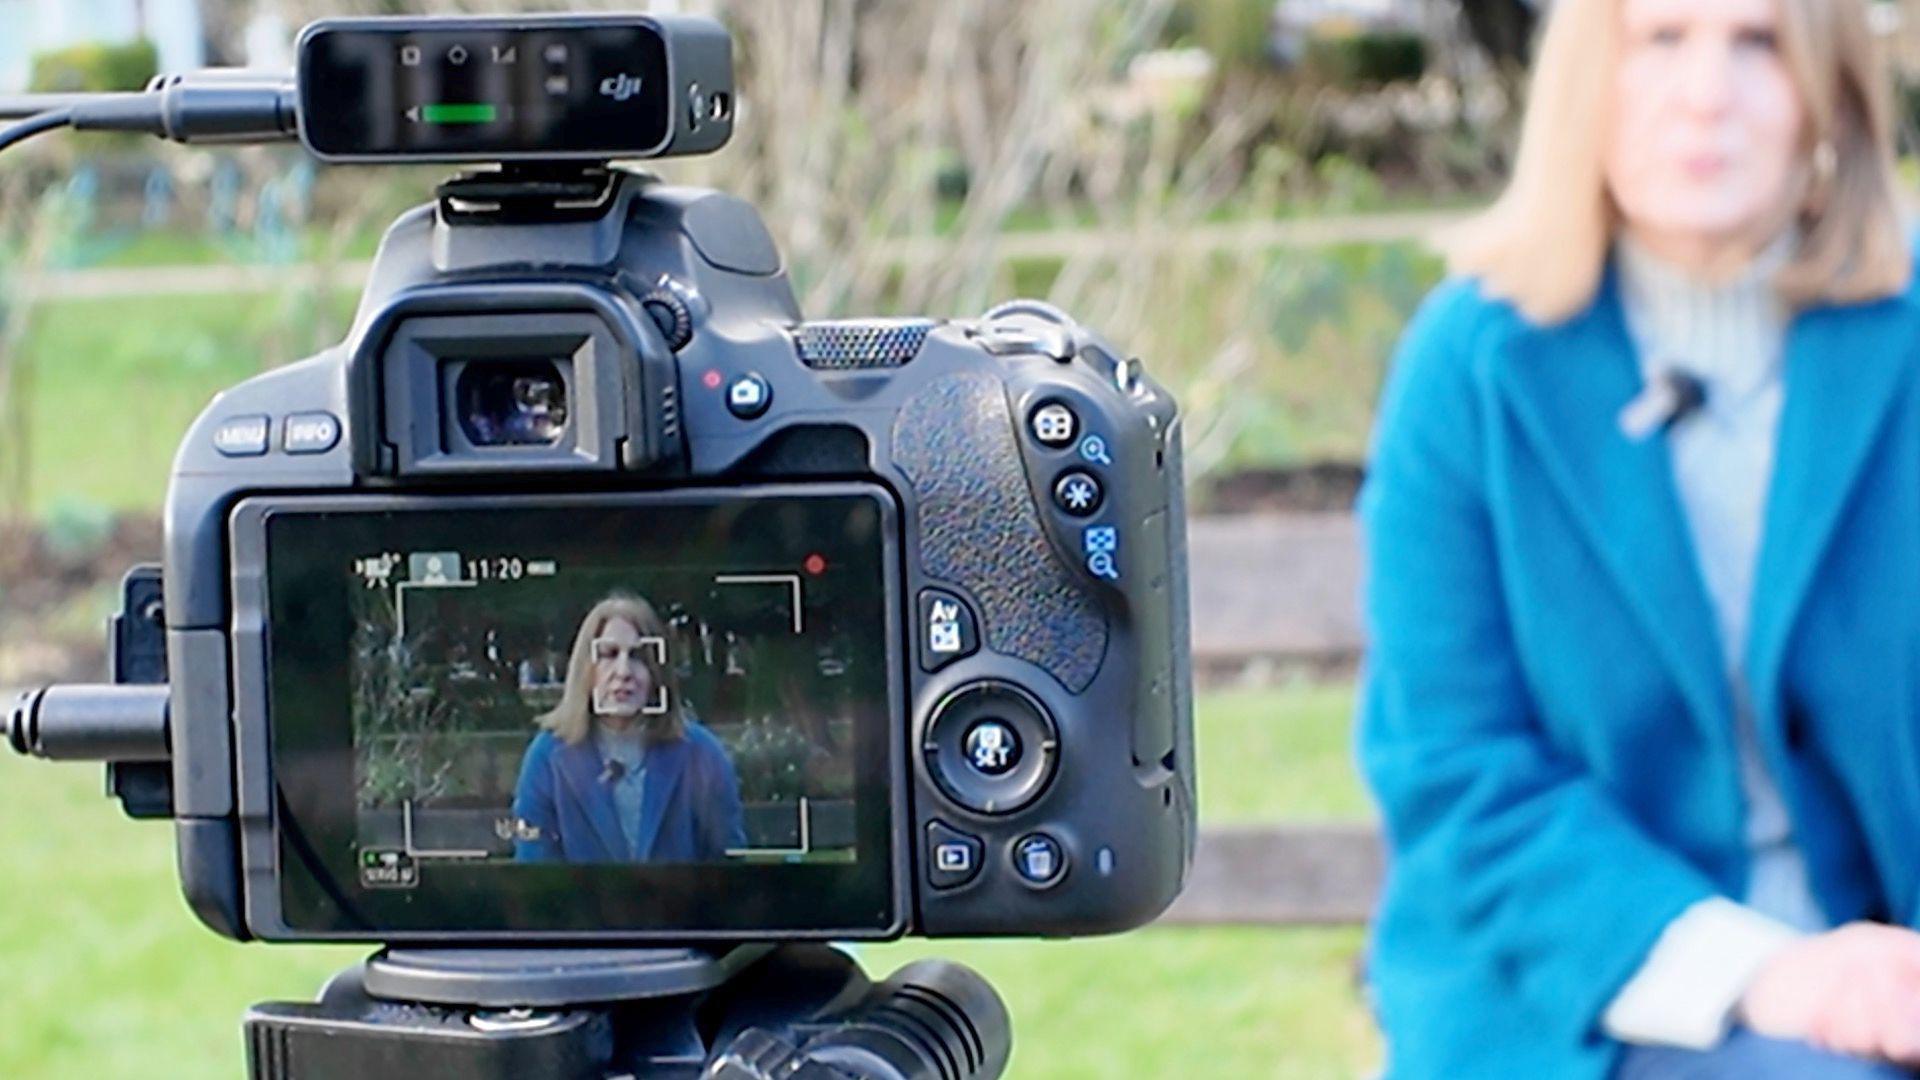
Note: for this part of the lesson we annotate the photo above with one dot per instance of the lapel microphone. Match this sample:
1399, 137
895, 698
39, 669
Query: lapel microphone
614, 772
1670, 396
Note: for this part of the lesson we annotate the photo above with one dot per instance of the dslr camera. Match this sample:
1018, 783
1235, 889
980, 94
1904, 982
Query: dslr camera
589, 593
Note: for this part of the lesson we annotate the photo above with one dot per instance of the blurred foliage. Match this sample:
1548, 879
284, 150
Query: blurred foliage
1908, 117
76, 527
94, 67
1366, 58
1237, 33
1503, 29
778, 760
900, 154
1333, 317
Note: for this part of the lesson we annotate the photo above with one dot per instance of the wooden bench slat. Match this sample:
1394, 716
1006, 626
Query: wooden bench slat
1280, 875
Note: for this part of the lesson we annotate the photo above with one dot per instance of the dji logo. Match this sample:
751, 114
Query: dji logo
620, 87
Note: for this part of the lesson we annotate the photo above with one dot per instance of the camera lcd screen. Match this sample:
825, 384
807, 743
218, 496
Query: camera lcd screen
670, 713
484, 92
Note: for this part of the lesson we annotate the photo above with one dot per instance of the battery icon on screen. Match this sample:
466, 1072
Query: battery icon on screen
452, 112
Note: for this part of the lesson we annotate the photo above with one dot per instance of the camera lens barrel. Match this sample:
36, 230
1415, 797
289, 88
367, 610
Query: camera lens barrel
89, 723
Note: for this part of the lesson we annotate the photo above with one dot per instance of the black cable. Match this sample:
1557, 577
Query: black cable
34, 125
216, 106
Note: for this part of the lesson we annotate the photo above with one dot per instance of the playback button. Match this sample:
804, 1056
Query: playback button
953, 857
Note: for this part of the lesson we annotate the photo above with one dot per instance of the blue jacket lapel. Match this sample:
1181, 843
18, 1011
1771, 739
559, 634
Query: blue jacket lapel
581, 768
1565, 386
666, 761
1841, 384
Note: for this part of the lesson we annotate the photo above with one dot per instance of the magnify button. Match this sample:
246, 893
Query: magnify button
1101, 565
1094, 449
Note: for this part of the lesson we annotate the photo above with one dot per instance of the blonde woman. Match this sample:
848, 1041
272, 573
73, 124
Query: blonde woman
622, 771
1642, 705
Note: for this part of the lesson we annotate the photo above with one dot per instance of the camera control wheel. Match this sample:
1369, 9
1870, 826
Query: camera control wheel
991, 747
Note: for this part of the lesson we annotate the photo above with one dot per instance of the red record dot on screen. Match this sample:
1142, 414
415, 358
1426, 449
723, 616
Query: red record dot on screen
816, 564
711, 380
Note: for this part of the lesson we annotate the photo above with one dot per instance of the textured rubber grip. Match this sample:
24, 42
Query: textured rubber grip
979, 529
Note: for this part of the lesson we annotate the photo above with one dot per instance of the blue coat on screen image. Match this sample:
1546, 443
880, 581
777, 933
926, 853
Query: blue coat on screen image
1544, 714
689, 811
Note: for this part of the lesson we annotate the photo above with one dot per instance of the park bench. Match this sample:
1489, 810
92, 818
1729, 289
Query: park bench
1281, 875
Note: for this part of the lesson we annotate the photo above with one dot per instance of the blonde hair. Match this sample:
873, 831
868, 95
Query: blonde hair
1544, 244
572, 718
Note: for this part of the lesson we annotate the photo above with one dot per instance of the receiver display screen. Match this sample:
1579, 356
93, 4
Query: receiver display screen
541, 90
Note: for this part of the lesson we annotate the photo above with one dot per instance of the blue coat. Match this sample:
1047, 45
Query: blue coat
1544, 717
689, 808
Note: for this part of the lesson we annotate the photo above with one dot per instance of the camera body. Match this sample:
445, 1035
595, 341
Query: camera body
953, 550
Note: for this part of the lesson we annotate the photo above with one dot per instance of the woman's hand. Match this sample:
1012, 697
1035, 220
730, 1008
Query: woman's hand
1853, 990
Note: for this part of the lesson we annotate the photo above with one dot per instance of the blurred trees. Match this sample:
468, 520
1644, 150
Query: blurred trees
95, 66
1504, 29
900, 151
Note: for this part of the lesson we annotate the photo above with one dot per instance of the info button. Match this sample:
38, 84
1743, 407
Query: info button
310, 433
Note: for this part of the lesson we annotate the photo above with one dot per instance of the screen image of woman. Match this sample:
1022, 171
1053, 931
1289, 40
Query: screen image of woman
622, 771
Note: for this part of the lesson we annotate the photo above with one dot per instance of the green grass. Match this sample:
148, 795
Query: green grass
111, 387
1279, 755
109, 975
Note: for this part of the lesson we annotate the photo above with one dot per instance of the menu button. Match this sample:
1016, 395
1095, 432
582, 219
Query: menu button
242, 436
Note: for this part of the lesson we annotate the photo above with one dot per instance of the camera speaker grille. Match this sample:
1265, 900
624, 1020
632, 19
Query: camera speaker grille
853, 344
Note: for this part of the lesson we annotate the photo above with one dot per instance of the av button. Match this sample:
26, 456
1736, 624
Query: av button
310, 433
953, 857
749, 396
948, 630
1039, 860
1079, 494
242, 436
